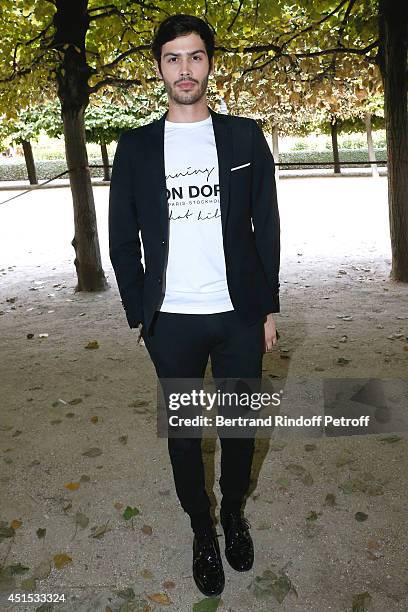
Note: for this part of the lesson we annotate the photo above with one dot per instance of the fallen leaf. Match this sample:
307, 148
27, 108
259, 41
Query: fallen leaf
330, 499
41, 533
29, 584
7, 583
390, 439
361, 516
263, 526
169, 584
62, 560
374, 551
139, 604
313, 515
15, 524
82, 520
99, 532
278, 445
75, 401
343, 361
126, 593
6, 532
353, 485
145, 573
15, 570
209, 604
310, 447
269, 584
138, 403
361, 602
93, 344
72, 486
295, 469
344, 458
283, 482
375, 489
307, 479
160, 598
94, 419
130, 512
147, 529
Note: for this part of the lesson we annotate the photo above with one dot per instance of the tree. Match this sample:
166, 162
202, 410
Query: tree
104, 121
392, 59
306, 45
23, 131
59, 45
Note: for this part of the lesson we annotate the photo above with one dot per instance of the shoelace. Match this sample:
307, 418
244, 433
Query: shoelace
238, 526
238, 523
206, 544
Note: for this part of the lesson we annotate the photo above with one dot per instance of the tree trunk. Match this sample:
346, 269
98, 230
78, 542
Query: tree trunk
85, 242
29, 160
105, 161
275, 148
71, 22
335, 145
392, 60
371, 152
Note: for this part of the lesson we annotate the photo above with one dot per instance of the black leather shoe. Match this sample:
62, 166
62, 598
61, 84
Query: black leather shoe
208, 571
239, 548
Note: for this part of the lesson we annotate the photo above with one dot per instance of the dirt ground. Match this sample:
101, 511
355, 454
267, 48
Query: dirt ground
78, 442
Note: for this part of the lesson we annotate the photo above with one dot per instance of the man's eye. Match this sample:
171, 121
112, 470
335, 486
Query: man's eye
197, 57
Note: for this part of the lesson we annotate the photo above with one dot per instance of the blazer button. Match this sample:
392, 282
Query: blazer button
159, 281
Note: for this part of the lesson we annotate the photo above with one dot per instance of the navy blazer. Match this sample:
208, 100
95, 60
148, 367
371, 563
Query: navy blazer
138, 207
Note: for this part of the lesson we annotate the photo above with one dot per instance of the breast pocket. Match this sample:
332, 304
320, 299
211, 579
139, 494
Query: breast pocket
240, 167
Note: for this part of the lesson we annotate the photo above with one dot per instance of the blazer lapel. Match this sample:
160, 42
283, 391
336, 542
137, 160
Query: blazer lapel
158, 174
223, 141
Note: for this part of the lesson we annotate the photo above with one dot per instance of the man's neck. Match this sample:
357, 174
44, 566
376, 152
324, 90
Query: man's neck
185, 113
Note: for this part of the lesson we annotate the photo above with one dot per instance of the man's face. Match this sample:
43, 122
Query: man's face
185, 68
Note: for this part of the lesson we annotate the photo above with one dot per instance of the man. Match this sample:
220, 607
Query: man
199, 187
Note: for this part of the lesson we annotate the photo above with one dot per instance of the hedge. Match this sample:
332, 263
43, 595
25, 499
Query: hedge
16, 170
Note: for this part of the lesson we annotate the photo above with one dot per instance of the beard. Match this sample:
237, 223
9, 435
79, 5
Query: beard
187, 97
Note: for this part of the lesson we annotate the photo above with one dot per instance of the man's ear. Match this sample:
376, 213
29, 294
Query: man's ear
158, 73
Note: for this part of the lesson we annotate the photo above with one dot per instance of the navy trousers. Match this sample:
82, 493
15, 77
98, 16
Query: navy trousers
180, 346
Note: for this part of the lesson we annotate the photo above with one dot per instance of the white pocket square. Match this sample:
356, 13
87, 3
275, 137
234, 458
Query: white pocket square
242, 166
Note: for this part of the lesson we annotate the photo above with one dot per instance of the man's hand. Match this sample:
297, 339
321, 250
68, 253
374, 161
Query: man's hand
271, 334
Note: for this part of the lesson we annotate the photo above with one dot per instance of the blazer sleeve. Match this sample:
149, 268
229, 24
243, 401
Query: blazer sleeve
124, 242
265, 213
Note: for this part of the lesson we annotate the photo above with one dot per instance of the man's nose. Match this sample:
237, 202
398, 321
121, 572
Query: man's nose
185, 69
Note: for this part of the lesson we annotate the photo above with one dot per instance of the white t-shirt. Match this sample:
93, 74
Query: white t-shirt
196, 280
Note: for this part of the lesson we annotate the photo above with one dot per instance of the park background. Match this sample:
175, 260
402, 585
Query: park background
87, 503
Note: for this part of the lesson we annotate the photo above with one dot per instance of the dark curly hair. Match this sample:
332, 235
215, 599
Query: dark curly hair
181, 25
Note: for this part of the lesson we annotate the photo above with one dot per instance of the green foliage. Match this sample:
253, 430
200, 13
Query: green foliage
297, 79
